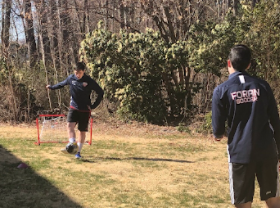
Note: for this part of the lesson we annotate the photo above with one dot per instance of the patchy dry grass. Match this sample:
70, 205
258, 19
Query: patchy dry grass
130, 165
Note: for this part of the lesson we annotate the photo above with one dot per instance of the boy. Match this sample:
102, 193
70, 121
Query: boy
81, 87
248, 105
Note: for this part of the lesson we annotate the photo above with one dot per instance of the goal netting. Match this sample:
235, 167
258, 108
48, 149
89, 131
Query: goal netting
53, 129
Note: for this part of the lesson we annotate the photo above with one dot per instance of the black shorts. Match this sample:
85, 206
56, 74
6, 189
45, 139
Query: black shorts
80, 117
242, 180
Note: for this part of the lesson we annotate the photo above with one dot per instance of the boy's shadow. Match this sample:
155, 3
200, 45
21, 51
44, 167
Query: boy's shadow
25, 188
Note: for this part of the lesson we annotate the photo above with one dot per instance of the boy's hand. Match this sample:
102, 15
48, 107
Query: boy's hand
212, 138
218, 138
48, 86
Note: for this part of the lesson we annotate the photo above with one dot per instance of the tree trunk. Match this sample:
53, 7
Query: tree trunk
54, 35
45, 68
169, 23
6, 22
113, 16
30, 38
44, 41
122, 15
54, 47
235, 7
41, 9
254, 2
106, 11
86, 17
68, 41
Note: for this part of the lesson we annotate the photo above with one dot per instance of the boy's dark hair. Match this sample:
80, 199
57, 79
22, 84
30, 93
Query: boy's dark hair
80, 66
240, 57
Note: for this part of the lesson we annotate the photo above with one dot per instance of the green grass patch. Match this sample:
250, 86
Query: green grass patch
152, 171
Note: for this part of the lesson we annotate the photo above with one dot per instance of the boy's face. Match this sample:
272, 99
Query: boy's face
79, 73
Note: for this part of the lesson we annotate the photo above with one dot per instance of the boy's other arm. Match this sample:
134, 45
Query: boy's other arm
218, 115
274, 120
99, 93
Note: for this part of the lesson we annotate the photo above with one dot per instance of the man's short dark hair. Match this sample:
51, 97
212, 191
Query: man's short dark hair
80, 66
240, 57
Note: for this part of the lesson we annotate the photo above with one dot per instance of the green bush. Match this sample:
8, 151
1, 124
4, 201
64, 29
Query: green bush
136, 71
206, 127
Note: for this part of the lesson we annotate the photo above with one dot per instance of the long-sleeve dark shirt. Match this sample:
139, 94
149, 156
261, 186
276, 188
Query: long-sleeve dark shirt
80, 90
248, 105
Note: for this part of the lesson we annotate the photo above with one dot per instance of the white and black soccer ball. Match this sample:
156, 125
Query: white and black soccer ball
72, 147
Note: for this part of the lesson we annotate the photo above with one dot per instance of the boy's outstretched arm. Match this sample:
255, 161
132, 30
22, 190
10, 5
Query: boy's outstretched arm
58, 85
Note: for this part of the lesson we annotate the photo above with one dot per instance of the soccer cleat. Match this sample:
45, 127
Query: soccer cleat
78, 156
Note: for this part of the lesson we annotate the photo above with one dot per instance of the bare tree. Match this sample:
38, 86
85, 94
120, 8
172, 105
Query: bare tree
30, 34
6, 23
44, 41
5, 39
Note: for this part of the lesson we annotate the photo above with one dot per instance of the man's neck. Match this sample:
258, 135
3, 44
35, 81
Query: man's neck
231, 70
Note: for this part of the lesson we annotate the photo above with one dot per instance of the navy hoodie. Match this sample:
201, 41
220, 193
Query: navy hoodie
80, 90
248, 105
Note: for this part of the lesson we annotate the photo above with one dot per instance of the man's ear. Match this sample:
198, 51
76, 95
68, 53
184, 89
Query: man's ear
248, 66
228, 63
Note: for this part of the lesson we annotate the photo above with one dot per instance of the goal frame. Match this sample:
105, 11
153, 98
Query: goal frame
38, 142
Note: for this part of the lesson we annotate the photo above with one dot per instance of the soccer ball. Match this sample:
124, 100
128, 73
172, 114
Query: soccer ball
72, 147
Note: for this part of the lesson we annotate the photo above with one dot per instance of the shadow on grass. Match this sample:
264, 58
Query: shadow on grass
24, 188
92, 160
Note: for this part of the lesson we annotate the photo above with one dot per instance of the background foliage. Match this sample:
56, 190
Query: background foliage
157, 61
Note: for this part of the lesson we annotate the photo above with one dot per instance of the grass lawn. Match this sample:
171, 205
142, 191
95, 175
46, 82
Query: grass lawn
128, 165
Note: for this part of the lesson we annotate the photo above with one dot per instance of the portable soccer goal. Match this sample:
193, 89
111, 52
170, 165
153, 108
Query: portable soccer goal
52, 128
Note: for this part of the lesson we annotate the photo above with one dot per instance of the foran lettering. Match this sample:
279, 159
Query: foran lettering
245, 96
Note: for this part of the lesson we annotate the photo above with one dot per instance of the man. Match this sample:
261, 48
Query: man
248, 105
81, 87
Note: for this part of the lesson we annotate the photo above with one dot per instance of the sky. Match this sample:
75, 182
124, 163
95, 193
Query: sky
17, 28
